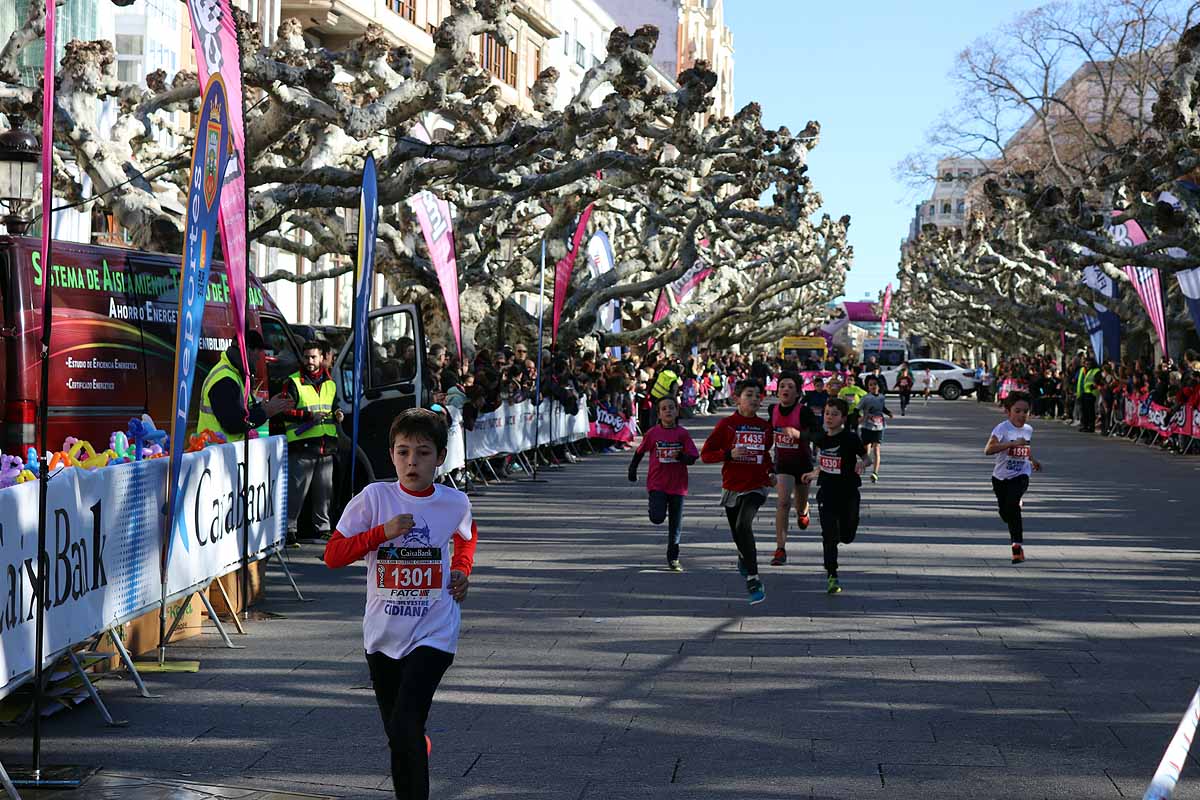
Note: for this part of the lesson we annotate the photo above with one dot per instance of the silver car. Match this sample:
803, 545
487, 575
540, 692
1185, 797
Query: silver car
949, 380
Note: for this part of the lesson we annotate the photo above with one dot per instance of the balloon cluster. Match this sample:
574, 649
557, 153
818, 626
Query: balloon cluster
201, 440
13, 471
141, 440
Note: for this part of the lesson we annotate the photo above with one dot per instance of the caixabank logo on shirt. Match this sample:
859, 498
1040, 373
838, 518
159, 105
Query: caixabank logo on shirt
408, 575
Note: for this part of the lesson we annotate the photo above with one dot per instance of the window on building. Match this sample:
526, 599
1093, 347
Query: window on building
566, 43
405, 8
535, 60
946, 207
497, 59
131, 49
962, 206
947, 175
580, 55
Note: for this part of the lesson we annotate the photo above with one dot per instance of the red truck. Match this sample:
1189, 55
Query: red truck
112, 353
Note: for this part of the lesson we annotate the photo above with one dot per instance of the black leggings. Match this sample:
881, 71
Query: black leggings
404, 691
905, 398
741, 525
839, 522
1008, 498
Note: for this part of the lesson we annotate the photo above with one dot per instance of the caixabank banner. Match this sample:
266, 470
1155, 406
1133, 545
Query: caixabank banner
103, 539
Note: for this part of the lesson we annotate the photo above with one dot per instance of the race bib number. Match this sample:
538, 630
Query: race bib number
1019, 453
755, 441
408, 572
668, 452
831, 464
785, 442
875, 422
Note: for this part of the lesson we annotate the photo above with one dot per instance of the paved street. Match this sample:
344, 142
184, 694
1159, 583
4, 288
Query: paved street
587, 671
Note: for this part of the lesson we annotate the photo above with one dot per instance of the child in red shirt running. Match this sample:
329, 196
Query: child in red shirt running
742, 444
414, 586
671, 451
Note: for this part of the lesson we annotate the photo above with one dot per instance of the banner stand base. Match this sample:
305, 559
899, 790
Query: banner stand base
95, 695
237, 623
50, 776
288, 572
212, 615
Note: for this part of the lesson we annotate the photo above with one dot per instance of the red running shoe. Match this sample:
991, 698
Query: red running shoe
780, 557
804, 522
1018, 554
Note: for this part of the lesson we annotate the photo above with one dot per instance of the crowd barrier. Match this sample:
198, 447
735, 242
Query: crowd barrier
1139, 415
104, 540
510, 430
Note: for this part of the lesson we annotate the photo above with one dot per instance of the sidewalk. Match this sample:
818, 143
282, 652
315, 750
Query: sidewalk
586, 670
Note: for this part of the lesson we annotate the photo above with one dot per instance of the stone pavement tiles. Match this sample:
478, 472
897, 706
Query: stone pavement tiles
586, 670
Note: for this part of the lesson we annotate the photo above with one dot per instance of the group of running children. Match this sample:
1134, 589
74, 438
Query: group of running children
833, 452
418, 537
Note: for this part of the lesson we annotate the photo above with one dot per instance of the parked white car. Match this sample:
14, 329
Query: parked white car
949, 380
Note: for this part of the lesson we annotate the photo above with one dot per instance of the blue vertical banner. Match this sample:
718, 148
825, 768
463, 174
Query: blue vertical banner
210, 156
364, 279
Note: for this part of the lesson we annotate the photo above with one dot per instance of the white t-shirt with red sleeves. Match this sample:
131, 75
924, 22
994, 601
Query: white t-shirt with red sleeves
408, 578
1015, 462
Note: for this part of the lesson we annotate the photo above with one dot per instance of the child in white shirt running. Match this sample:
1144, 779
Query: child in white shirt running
1009, 443
414, 586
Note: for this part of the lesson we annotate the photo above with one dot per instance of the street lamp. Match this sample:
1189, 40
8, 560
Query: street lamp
18, 177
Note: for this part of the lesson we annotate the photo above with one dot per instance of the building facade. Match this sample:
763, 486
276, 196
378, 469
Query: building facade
584, 27
689, 31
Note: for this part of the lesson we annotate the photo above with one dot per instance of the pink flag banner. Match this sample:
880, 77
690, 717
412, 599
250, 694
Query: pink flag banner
562, 271
683, 288
1145, 280
438, 228
47, 147
661, 309
611, 424
887, 306
214, 38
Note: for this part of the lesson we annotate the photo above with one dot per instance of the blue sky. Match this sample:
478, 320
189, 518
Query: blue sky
875, 74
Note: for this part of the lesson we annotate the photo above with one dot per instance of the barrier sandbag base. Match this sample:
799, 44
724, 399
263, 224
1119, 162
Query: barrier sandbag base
50, 776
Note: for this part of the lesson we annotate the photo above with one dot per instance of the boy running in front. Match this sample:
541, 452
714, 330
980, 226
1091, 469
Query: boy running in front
873, 407
414, 586
1009, 443
741, 444
841, 459
671, 451
793, 423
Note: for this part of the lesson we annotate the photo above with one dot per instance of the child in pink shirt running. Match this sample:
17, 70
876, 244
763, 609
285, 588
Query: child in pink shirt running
671, 450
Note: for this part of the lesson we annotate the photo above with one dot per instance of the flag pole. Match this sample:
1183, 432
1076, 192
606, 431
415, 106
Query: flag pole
537, 392
36, 775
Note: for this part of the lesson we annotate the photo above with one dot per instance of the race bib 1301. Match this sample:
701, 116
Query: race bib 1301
408, 572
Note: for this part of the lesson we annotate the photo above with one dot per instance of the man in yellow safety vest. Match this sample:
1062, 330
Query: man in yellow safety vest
223, 406
312, 434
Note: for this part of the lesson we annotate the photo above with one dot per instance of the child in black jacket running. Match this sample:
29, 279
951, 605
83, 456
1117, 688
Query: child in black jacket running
841, 459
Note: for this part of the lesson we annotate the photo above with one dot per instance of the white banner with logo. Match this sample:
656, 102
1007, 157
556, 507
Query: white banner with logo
104, 537
511, 428
456, 446
209, 535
